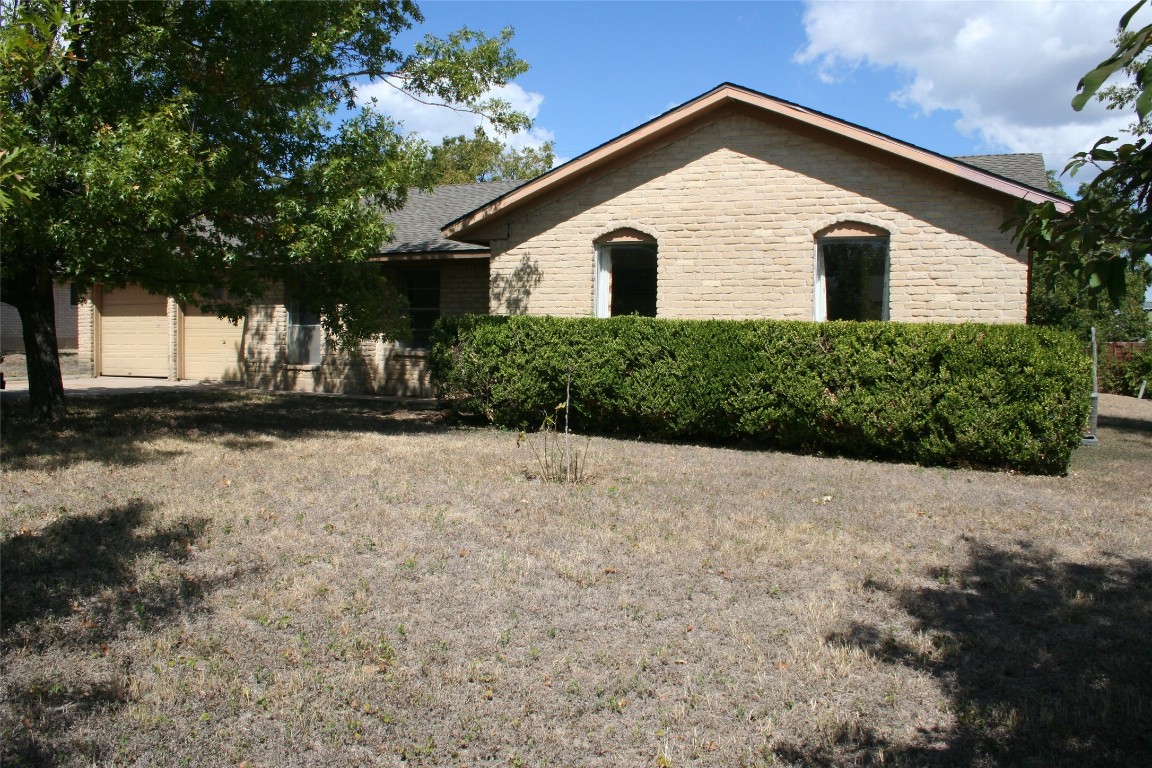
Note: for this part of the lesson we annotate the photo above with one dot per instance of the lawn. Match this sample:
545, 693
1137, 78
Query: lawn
240, 579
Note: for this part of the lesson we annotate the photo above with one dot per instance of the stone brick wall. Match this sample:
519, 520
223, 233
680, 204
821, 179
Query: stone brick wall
381, 367
86, 336
172, 308
735, 206
11, 330
464, 287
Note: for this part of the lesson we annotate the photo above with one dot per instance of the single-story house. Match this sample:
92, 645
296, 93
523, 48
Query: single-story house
733, 205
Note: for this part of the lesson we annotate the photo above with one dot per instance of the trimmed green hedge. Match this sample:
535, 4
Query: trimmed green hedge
1008, 396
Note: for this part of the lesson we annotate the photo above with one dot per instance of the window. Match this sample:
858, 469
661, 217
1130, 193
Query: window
305, 334
852, 279
421, 287
626, 279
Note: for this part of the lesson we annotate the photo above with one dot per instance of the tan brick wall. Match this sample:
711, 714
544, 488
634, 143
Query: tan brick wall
86, 335
380, 367
464, 287
735, 206
172, 307
11, 329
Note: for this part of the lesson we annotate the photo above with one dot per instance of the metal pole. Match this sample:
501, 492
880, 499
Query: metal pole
1090, 438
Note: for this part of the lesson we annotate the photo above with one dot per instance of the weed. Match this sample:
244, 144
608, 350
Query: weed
559, 460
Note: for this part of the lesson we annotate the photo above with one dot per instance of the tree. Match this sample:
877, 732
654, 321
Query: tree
463, 160
1058, 299
1103, 239
193, 147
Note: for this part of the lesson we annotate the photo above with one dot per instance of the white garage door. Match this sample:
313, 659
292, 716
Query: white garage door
133, 333
211, 347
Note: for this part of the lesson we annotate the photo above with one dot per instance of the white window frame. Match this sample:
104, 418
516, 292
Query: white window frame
820, 297
602, 298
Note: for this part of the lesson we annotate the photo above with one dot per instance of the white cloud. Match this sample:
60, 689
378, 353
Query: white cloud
433, 123
1008, 68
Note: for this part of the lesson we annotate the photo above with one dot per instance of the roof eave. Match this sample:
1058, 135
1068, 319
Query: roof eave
728, 93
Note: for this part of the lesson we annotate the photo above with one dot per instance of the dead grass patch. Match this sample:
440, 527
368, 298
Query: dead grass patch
228, 578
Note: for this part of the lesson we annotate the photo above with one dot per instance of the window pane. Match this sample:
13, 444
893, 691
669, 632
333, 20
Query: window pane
855, 278
421, 287
300, 314
304, 344
634, 280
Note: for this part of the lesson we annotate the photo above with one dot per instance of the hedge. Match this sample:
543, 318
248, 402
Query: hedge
1004, 396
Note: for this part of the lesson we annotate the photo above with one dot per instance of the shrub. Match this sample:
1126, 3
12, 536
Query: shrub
990, 395
1123, 367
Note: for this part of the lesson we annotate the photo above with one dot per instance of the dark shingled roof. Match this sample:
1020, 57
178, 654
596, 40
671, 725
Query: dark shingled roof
418, 223
1026, 168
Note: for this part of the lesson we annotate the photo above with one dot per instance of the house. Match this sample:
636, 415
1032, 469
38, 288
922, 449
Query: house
733, 205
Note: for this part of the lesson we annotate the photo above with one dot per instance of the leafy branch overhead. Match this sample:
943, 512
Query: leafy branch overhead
1104, 237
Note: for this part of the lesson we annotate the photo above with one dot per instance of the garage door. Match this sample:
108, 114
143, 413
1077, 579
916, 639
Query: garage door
133, 333
211, 347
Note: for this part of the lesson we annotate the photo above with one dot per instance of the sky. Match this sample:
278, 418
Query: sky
958, 78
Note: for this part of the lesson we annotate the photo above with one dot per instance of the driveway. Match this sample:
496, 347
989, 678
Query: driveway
16, 389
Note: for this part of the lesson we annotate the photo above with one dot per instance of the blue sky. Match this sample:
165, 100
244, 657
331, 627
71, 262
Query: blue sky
954, 77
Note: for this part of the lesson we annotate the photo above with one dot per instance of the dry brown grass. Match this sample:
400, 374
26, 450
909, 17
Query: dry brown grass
232, 579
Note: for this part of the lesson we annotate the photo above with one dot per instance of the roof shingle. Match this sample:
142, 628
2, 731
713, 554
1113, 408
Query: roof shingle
1025, 167
417, 224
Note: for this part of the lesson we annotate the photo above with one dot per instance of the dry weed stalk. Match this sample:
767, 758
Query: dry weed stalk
558, 459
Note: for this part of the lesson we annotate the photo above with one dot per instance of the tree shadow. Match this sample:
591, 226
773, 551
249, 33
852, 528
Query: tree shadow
74, 587
117, 430
77, 579
1045, 662
512, 291
1125, 424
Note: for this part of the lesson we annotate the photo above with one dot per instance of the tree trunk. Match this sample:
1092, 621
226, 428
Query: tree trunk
34, 301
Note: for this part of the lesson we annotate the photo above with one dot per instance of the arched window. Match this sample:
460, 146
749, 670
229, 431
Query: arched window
625, 274
851, 273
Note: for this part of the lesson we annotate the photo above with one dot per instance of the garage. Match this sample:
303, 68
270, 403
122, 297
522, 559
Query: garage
133, 333
211, 347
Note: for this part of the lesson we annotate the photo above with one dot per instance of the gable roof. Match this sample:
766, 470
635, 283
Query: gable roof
729, 97
417, 225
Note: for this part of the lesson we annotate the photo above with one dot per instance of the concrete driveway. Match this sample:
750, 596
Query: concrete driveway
16, 389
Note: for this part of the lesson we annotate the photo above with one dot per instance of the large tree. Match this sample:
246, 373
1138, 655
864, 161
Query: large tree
190, 147
464, 160
1057, 298
1103, 240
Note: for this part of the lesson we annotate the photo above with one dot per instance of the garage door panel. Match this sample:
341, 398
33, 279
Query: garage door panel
133, 333
211, 347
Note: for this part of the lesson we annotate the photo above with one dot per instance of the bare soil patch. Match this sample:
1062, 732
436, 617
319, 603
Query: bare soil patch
233, 578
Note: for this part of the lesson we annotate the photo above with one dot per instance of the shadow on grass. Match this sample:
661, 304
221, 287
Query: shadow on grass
78, 583
1124, 424
111, 430
1046, 663
52, 574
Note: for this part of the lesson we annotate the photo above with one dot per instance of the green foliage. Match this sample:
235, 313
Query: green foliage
464, 160
193, 147
1059, 300
1124, 376
989, 395
1103, 239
